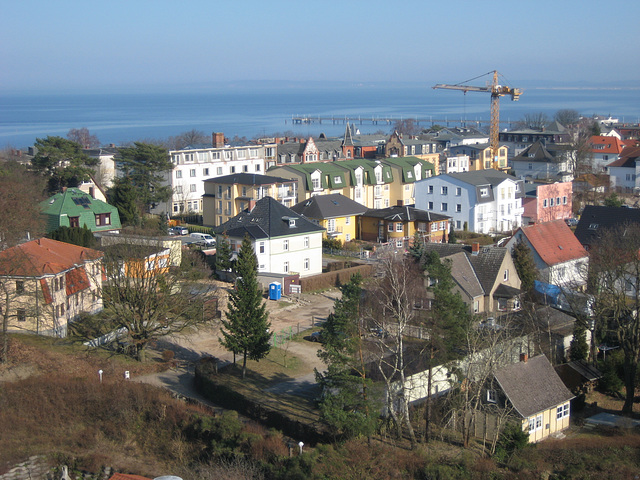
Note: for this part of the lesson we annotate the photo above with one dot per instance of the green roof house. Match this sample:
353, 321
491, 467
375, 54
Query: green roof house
74, 208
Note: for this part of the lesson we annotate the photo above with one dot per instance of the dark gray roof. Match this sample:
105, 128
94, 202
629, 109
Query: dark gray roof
539, 152
328, 206
268, 219
488, 176
595, 219
532, 386
406, 213
464, 275
248, 179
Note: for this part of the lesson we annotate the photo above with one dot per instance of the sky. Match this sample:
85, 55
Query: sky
117, 45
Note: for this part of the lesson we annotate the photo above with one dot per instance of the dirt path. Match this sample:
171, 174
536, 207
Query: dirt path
295, 318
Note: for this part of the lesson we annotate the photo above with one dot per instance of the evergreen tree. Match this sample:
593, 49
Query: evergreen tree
246, 329
345, 405
81, 236
223, 254
417, 246
579, 350
452, 234
525, 267
63, 162
145, 165
123, 196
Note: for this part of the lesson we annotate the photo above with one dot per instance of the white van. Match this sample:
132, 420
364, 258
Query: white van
203, 239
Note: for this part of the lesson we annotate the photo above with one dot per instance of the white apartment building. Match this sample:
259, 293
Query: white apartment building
194, 165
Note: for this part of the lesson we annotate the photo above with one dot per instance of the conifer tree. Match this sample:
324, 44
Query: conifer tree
123, 196
579, 350
452, 235
246, 329
525, 266
223, 254
417, 246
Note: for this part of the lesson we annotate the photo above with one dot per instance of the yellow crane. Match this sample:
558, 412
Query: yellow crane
496, 90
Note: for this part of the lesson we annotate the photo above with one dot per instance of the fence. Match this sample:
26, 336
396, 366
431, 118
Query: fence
333, 279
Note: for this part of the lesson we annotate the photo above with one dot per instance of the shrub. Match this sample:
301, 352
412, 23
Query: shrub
512, 439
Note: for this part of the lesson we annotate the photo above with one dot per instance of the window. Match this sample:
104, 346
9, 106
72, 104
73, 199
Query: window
458, 224
562, 411
430, 207
492, 397
337, 180
331, 225
316, 183
558, 201
233, 169
261, 247
505, 276
306, 264
442, 225
192, 187
398, 227
535, 423
258, 168
179, 189
205, 172
390, 227
306, 242
178, 173
484, 192
347, 220
544, 203
551, 202
245, 168
531, 166
285, 245
458, 191
285, 267
21, 313
176, 207
458, 208
434, 227
218, 170
444, 190
430, 189
103, 219
399, 243
192, 172
444, 207
347, 237
19, 286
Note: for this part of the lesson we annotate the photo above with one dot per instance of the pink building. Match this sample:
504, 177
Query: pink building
545, 202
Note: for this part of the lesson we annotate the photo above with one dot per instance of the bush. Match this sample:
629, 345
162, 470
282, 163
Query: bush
512, 439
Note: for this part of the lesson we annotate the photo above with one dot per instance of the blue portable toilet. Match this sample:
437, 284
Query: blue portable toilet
275, 291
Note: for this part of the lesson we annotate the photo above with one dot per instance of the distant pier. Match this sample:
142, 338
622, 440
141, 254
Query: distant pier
374, 120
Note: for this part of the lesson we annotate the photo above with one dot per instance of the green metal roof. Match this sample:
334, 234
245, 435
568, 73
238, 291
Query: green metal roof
75, 203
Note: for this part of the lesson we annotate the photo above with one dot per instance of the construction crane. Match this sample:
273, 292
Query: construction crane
496, 90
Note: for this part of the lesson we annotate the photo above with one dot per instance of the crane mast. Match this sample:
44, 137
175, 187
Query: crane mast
496, 90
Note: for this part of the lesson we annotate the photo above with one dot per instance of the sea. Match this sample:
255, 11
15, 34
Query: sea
265, 111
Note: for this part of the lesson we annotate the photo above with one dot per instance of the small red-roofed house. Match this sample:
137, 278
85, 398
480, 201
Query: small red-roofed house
604, 150
45, 284
560, 258
625, 171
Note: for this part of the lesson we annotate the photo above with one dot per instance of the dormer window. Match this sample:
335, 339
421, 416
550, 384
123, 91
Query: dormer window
292, 222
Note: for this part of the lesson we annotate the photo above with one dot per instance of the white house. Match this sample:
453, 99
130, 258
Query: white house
456, 164
540, 161
285, 242
488, 201
624, 173
560, 258
193, 165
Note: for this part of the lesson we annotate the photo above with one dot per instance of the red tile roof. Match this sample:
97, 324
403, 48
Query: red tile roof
42, 257
610, 144
554, 242
627, 158
76, 280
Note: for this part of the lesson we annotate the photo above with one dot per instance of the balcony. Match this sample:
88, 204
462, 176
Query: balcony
334, 232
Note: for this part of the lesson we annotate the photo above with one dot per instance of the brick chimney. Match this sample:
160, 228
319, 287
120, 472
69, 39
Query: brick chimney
524, 357
252, 203
217, 139
475, 249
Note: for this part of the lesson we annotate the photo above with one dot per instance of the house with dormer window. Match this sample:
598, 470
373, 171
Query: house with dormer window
285, 242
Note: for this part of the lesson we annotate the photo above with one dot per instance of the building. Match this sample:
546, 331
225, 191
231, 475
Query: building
560, 258
480, 155
226, 196
46, 284
75, 208
596, 219
485, 201
284, 241
136, 261
536, 395
195, 164
518, 140
545, 202
543, 162
624, 173
398, 226
605, 149
422, 147
335, 213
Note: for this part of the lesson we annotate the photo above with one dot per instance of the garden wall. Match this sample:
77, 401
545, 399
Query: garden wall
334, 279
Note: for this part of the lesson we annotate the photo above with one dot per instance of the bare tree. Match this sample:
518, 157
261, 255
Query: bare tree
83, 137
407, 126
567, 117
533, 120
192, 137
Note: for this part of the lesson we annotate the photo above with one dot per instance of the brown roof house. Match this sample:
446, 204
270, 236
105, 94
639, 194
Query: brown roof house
560, 258
45, 284
538, 397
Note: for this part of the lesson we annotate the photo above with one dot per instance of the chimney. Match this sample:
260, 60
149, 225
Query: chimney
399, 203
92, 192
252, 203
524, 357
217, 139
475, 248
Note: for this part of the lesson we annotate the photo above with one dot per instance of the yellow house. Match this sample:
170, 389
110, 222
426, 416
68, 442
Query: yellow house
336, 213
399, 225
536, 395
226, 196
480, 156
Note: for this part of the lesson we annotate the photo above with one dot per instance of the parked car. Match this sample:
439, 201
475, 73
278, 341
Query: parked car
179, 231
571, 222
317, 337
203, 239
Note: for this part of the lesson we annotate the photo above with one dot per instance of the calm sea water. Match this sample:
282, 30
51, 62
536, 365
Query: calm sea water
118, 118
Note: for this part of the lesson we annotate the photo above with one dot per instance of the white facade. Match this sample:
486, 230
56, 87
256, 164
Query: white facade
625, 178
193, 166
488, 208
289, 254
457, 164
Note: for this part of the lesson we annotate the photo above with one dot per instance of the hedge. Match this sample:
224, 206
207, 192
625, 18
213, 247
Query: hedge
334, 279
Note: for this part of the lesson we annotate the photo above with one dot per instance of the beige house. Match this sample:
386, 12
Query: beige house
46, 284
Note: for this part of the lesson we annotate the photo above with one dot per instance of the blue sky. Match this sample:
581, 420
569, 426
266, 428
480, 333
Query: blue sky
118, 45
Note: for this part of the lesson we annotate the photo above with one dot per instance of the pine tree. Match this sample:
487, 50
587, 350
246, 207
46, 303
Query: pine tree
579, 350
123, 196
345, 406
525, 266
452, 235
223, 254
417, 246
246, 329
